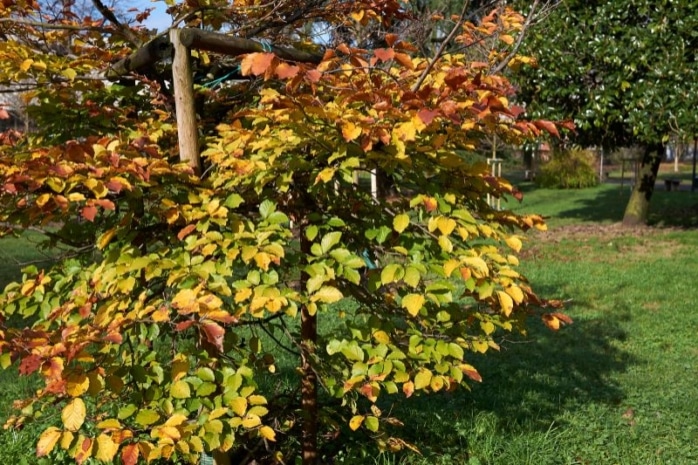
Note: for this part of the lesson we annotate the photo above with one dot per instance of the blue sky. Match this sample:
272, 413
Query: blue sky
158, 19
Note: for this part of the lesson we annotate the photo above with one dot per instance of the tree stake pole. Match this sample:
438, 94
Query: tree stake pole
183, 83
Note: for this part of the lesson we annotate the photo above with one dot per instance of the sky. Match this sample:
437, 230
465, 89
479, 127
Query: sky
158, 19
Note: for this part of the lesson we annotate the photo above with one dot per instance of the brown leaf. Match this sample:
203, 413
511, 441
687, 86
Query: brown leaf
548, 126
214, 334
427, 116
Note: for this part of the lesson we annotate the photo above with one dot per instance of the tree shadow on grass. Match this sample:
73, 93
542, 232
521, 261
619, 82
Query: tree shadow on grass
606, 204
528, 386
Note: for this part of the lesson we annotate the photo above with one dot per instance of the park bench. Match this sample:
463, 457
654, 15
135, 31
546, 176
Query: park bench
672, 184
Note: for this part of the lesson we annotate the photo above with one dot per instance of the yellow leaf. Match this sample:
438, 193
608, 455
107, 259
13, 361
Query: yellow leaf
76, 384
73, 414
480, 346
251, 421
516, 293
446, 225
400, 222
505, 302
405, 131
176, 420
257, 400
67, 440
451, 265
325, 175
381, 337
477, 265
514, 242
507, 39
242, 294
355, 422
185, 301
328, 295
487, 327
239, 405
47, 441
111, 423
350, 131
105, 238
267, 433
26, 64
413, 303
106, 448
180, 390
445, 244
180, 367
69, 73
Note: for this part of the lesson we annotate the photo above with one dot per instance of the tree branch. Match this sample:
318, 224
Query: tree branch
441, 48
503, 64
125, 31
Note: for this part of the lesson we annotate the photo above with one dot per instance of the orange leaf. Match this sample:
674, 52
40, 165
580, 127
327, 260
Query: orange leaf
286, 71
405, 60
408, 388
47, 441
384, 54
313, 75
547, 126
427, 116
256, 63
390, 39
185, 231
89, 212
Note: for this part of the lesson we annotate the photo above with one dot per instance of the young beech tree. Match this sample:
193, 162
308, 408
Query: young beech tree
261, 300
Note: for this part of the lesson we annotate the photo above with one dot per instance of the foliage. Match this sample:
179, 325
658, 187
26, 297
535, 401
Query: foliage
160, 336
569, 169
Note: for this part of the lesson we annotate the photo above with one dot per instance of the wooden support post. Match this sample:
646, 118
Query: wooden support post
183, 82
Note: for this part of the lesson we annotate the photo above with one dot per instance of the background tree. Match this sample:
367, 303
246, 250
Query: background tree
228, 304
625, 71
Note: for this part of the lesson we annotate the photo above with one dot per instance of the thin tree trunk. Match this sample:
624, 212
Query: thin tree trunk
309, 377
637, 210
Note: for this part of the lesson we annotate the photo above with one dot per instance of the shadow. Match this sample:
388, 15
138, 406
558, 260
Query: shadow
607, 202
528, 386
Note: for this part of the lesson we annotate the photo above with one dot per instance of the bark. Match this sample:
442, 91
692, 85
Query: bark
309, 382
637, 210
182, 78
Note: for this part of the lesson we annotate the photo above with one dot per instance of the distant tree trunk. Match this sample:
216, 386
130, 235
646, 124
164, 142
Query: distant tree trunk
637, 210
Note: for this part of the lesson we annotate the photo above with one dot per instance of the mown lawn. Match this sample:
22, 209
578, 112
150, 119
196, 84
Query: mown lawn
617, 387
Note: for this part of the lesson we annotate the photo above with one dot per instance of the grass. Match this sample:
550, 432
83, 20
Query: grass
616, 387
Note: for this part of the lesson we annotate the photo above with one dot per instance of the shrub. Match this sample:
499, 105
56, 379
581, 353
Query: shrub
569, 169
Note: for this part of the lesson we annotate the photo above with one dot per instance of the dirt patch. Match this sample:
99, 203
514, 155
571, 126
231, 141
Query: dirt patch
600, 232
604, 243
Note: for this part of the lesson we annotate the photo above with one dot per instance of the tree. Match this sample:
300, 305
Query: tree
162, 333
625, 71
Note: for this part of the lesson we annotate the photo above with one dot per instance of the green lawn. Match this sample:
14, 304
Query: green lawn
617, 387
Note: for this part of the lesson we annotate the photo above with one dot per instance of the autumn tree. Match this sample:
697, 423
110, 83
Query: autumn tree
250, 293
625, 71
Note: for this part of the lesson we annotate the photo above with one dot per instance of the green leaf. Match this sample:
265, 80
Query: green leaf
180, 390
147, 417
391, 273
455, 351
335, 346
371, 423
311, 232
412, 276
422, 379
266, 208
329, 240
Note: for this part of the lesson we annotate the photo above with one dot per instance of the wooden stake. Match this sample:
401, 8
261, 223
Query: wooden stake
183, 82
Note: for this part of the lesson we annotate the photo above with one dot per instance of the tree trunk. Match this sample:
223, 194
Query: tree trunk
637, 210
309, 376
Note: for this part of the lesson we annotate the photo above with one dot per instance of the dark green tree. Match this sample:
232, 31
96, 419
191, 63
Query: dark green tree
625, 71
